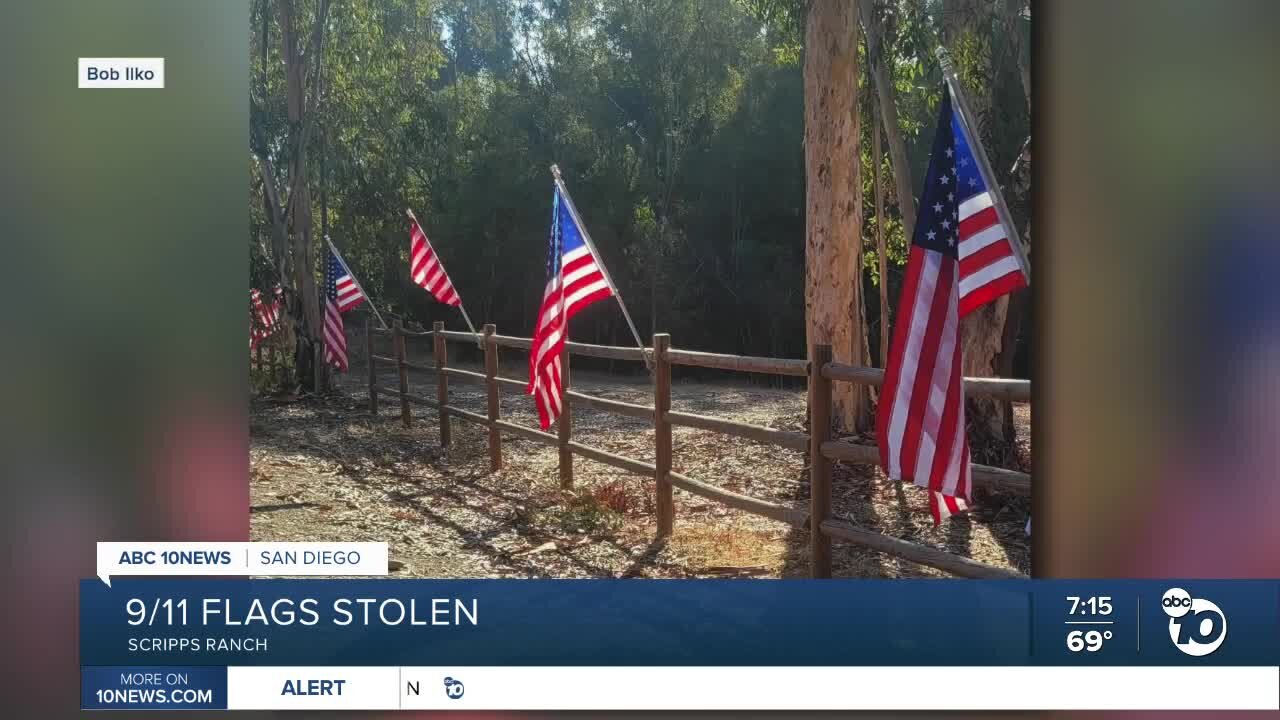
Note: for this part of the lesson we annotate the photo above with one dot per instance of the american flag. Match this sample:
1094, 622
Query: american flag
575, 279
426, 269
961, 257
341, 293
264, 317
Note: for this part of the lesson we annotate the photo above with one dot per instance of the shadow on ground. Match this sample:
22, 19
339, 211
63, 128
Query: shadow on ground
328, 469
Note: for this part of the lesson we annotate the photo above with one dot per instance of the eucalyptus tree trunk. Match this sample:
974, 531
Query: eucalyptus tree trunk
877, 159
833, 218
873, 26
310, 333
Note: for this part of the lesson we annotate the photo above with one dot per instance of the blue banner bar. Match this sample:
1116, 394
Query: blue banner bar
153, 688
235, 622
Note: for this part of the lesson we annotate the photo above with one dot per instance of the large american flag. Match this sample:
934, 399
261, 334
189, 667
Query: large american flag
264, 317
961, 257
341, 293
575, 279
426, 269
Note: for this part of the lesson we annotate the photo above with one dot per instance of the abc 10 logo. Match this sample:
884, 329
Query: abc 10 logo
1197, 626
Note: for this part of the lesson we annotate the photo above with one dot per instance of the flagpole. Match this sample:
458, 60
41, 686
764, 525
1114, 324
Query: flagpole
414, 218
586, 237
479, 342
970, 128
356, 280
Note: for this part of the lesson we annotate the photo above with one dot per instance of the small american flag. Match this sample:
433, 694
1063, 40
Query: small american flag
960, 258
427, 271
264, 317
575, 279
341, 293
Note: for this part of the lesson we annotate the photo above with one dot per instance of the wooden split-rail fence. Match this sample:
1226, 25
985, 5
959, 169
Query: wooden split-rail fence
823, 449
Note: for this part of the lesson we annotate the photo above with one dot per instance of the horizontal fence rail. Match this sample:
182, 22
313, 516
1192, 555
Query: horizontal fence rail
638, 467
782, 513
466, 375
511, 382
1002, 388
785, 438
643, 412
465, 337
476, 418
415, 399
984, 476
740, 363
528, 433
820, 446
940, 559
419, 400
391, 332
518, 343
608, 352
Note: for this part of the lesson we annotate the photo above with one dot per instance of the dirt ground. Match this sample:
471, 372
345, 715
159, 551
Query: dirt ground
325, 469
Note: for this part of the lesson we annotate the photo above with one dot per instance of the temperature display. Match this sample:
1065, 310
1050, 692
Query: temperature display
1087, 640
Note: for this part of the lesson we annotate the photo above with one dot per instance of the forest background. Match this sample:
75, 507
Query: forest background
680, 129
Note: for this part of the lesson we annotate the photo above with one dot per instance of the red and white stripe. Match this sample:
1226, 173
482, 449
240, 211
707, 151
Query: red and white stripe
988, 266
584, 281
580, 283
920, 426
265, 316
335, 338
546, 384
427, 271
349, 295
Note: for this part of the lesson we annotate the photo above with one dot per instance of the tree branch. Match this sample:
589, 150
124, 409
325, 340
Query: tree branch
316, 46
267, 171
317, 32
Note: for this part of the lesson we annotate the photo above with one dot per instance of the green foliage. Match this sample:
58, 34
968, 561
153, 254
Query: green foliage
678, 126
597, 512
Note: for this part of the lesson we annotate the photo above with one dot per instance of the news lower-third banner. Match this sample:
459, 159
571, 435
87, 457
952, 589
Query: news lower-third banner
678, 644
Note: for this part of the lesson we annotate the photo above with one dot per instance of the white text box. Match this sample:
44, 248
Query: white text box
121, 73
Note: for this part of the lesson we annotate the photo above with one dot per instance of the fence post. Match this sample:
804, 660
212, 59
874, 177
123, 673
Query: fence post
442, 380
373, 368
491, 388
565, 424
397, 331
664, 502
819, 465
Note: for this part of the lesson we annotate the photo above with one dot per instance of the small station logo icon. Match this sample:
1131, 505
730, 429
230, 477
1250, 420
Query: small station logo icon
453, 688
1197, 626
